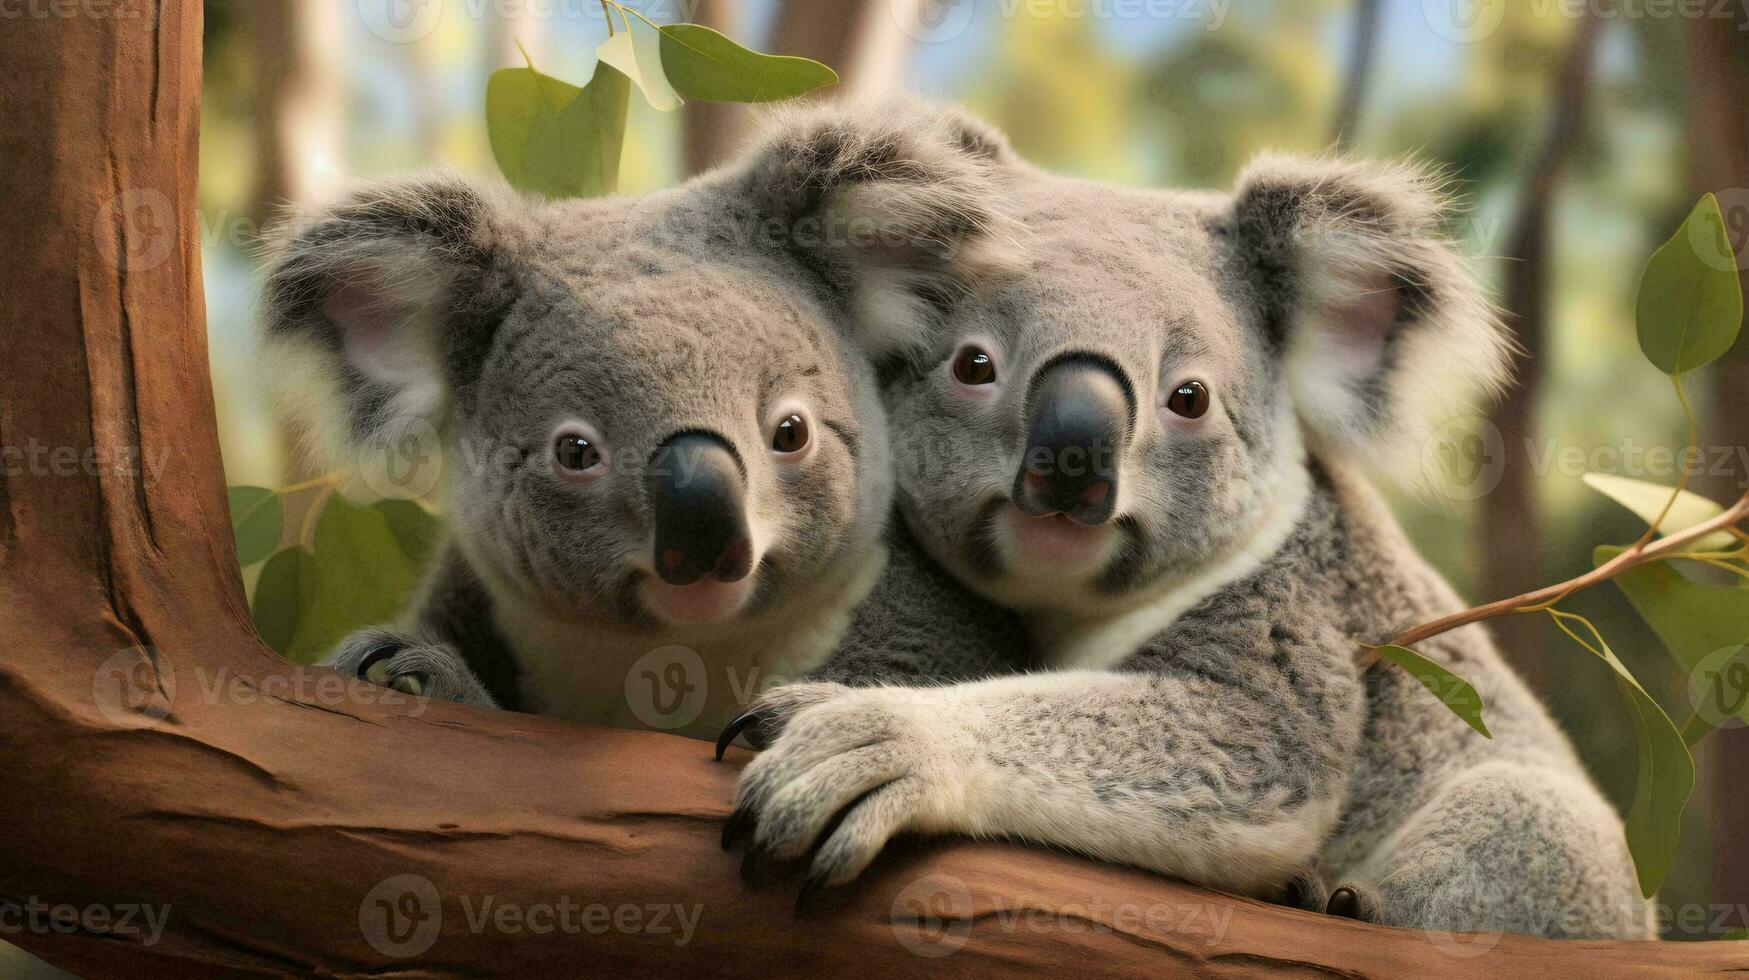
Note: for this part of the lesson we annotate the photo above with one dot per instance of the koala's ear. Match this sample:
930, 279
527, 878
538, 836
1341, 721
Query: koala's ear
898, 201
371, 305
1381, 324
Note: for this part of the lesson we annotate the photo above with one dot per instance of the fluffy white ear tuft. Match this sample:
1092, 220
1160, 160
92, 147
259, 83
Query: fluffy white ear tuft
898, 200
1383, 329
365, 299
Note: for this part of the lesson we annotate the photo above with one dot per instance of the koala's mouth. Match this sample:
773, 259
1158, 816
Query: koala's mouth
1054, 545
701, 603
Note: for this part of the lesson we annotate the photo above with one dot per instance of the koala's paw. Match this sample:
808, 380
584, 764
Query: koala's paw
410, 665
851, 768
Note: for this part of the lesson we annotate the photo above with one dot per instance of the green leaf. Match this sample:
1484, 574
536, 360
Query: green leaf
362, 577
1691, 302
637, 53
1452, 691
1647, 500
1666, 770
414, 527
1736, 935
554, 138
286, 587
258, 517
1697, 623
702, 64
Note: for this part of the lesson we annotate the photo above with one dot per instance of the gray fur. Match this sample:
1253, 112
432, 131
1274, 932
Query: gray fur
1206, 717
436, 305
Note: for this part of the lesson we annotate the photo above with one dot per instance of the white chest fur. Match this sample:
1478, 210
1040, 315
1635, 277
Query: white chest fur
690, 682
1079, 641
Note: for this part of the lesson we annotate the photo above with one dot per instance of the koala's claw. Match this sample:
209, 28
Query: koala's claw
1356, 902
733, 729
739, 827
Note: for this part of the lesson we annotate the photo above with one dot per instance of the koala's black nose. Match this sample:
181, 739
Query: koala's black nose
1078, 412
698, 495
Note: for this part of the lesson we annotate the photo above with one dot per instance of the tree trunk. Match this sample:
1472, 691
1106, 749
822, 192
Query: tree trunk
1362, 48
300, 137
277, 819
1512, 531
1718, 124
712, 128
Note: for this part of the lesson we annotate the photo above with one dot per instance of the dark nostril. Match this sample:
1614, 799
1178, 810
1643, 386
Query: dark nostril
736, 562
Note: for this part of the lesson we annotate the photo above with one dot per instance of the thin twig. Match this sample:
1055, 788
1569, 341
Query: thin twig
1640, 554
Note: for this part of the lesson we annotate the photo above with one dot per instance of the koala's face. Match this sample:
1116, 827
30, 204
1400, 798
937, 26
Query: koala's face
1134, 408
1103, 419
644, 422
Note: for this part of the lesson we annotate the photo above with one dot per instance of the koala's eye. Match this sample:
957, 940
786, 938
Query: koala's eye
575, 454
791, 435
1190, 399
974, 367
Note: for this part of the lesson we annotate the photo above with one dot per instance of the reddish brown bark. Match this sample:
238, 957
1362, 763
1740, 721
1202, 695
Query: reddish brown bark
263, 805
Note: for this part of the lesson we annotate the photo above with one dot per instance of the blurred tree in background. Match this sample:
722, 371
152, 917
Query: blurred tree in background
1577, 142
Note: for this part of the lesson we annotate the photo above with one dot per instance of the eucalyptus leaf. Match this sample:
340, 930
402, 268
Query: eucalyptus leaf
286, 587
362, 578
1698, 624
1690, 301
554, 138
1666, 770
1452, 691
258, 518
1648, 499
702, 64
637, 53
415, 529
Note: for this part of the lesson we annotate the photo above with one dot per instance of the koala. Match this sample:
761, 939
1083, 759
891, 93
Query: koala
1148, 445
655, 430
